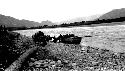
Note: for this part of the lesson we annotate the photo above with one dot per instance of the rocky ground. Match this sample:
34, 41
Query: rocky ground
70, 57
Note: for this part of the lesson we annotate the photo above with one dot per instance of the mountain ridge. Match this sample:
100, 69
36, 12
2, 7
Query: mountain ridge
80, 19
13, 22
113, 14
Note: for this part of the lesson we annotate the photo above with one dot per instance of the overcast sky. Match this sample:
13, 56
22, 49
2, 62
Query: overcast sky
56, 10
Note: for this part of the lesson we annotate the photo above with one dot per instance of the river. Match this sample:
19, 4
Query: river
109, 37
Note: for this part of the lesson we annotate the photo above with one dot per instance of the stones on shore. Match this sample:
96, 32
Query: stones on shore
45, 64
93, 59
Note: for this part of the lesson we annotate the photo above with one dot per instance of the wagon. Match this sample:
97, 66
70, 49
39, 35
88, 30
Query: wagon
72, 40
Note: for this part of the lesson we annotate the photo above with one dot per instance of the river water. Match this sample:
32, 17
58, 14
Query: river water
109, 37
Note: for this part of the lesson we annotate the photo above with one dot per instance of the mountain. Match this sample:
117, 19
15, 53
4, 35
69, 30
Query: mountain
13, 22
116, 13
49, 23
80, 19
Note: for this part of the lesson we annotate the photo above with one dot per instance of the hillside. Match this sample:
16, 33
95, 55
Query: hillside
116, 13
13, 22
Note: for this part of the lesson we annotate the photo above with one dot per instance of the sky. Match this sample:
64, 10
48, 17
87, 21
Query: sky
56, 10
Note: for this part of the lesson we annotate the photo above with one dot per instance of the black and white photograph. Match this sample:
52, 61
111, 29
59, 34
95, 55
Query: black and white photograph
62, 35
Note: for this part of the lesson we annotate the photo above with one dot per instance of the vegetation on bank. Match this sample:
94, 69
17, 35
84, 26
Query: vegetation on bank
7, 53
12, 45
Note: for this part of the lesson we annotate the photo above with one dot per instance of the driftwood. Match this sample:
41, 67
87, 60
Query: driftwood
16, 65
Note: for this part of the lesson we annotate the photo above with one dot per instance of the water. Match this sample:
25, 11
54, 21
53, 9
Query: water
109, 37
55, 31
